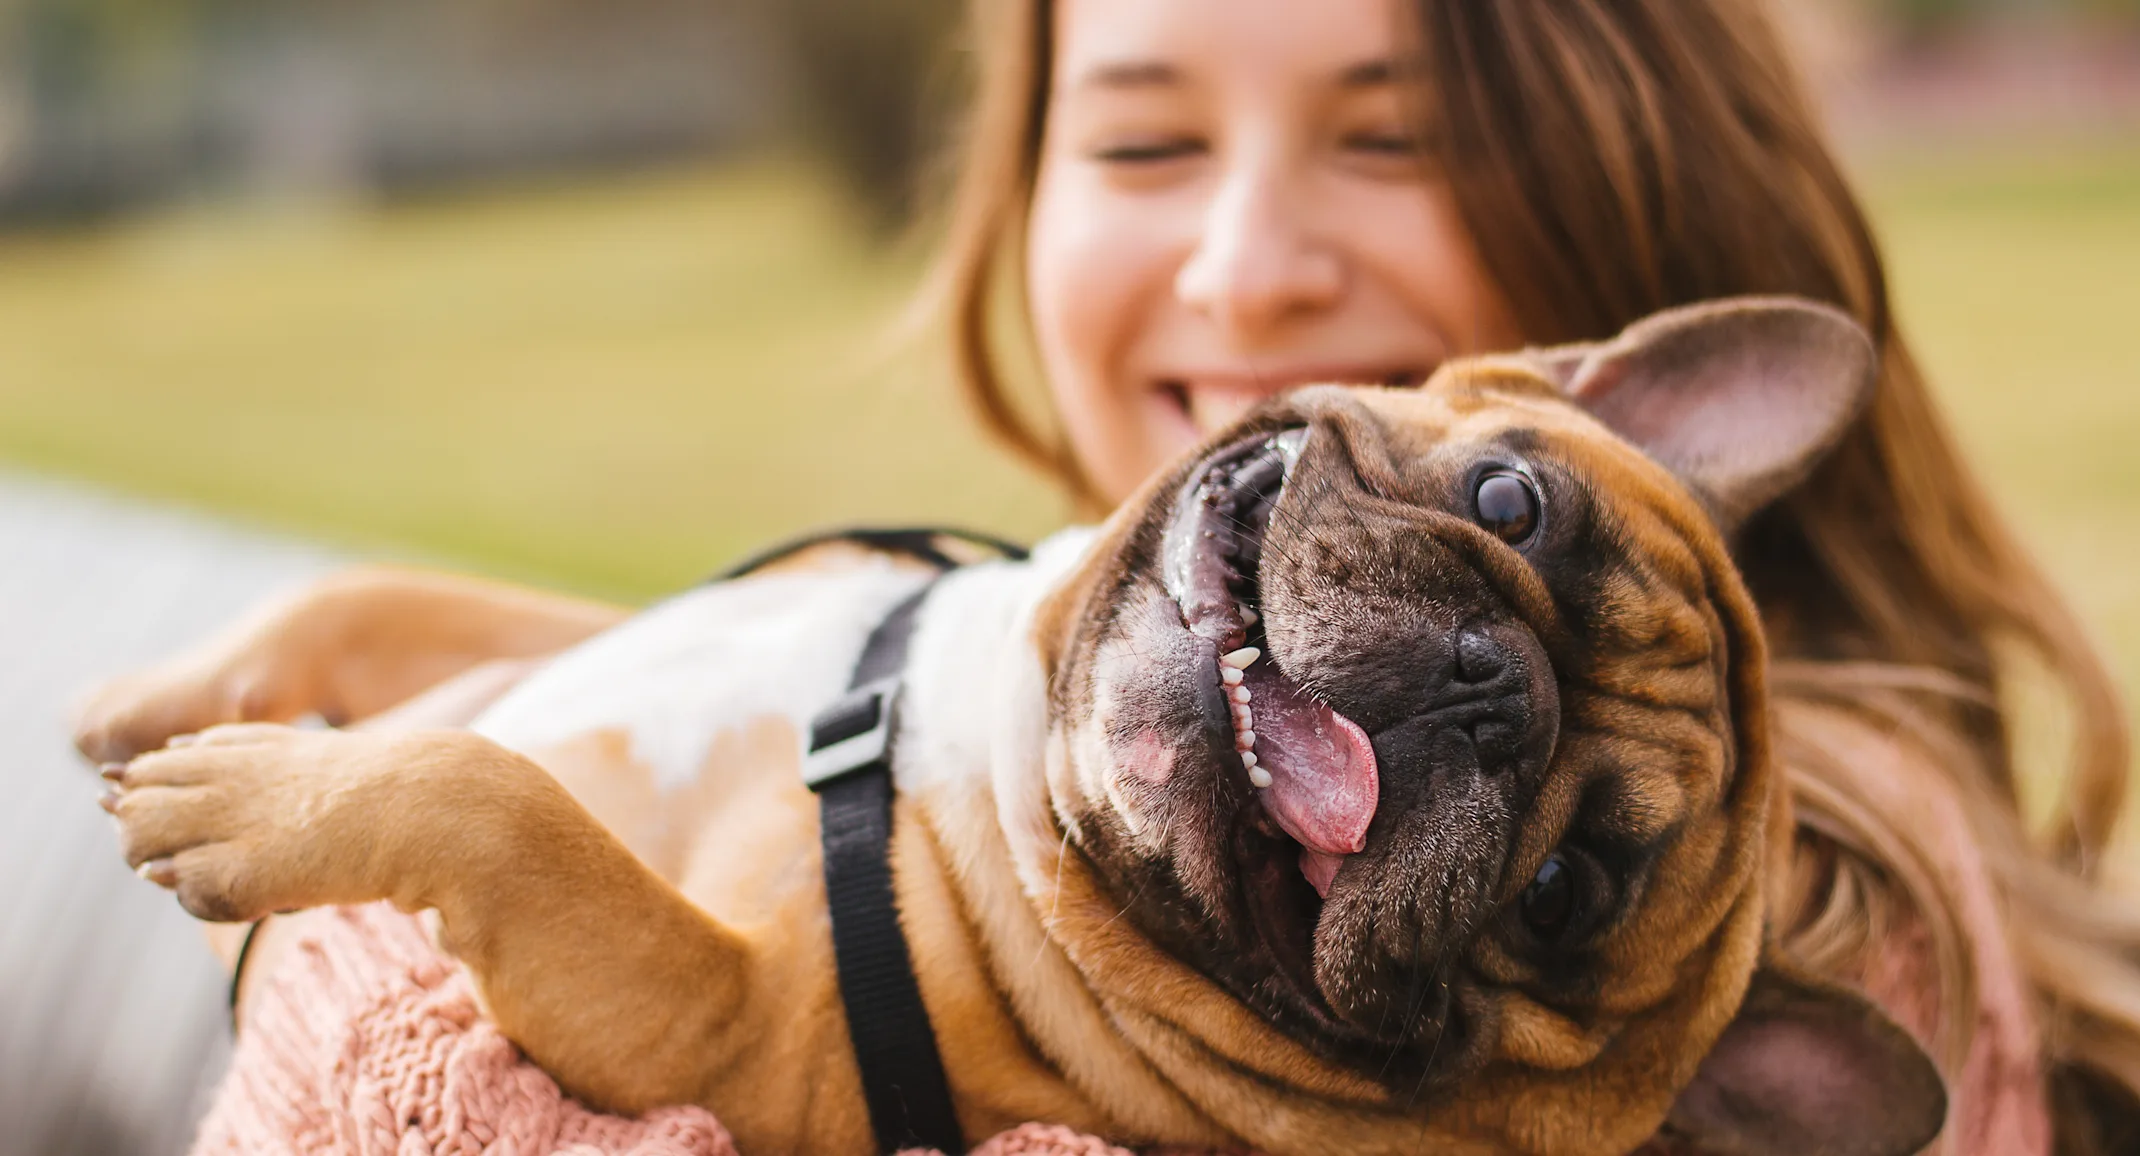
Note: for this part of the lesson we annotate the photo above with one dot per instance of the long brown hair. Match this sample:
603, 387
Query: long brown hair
1616, 158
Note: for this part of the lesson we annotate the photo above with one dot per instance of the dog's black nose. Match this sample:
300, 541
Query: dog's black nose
1484, 703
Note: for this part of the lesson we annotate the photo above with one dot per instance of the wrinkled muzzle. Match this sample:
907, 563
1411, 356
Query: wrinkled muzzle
1395, 709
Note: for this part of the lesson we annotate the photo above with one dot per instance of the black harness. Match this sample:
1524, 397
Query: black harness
850, 768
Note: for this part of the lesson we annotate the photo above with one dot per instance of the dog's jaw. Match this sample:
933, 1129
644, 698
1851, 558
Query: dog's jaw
1313, 769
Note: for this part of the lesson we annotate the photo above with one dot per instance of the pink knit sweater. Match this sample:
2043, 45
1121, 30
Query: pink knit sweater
367, 1041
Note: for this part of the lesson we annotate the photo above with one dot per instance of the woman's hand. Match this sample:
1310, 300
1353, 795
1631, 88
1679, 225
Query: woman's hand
345, 649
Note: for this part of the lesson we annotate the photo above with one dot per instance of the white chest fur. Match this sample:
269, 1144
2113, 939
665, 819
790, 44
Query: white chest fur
714, 659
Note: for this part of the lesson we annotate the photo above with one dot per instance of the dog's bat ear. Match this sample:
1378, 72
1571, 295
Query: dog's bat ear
1739, 397
1810, 1067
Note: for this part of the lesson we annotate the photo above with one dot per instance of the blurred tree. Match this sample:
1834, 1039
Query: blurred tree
876, 90
1931, 17
1920, 17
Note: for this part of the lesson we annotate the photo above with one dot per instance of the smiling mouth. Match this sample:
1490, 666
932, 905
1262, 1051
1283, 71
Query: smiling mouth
1210, 403
1313, 773
1278, 381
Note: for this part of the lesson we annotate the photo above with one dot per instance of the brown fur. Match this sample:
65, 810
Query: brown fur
648, 950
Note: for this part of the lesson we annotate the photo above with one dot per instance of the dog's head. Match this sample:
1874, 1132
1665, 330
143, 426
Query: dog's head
1429, 724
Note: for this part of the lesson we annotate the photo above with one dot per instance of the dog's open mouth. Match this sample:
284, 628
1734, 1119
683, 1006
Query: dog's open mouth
1312, 768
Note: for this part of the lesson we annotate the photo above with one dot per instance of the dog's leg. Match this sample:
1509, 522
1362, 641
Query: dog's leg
345, 648
453, 703
601, 971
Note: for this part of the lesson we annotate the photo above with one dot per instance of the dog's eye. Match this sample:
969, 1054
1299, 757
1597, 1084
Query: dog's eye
1549, 903
1506, 503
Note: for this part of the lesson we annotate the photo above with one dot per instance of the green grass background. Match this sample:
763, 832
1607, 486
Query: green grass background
615, 387
611, 387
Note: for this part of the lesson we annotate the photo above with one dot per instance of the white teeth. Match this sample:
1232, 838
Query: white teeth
1248, 617
1244, 721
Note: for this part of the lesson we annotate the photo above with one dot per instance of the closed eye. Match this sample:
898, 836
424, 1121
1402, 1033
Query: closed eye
1148, 152
1383, 144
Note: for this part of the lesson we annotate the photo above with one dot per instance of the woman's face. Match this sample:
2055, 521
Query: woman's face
1231, 202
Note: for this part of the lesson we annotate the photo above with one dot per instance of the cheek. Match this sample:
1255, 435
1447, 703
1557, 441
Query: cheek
1096, 266
1123, 765
1146, 735
1076, 280
1142, 756
1410, 240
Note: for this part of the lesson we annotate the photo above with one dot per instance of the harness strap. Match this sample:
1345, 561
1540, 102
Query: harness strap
850, 768
919, 542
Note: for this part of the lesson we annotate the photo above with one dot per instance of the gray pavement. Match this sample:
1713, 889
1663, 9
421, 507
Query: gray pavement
112, 1023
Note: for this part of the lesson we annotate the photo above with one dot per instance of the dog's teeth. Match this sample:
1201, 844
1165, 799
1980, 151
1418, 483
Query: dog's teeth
1248, 617
1242, 719
1259, 777
1240, 659
1229, 676
1244, 741
1248, 759
1240, 695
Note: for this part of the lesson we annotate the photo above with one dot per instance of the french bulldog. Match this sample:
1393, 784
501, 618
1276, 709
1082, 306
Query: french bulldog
1390, 775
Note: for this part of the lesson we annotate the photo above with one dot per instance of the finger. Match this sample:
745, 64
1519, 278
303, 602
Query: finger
138, 714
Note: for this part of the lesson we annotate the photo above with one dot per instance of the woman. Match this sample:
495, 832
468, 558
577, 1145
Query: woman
1203, 202
1215, 200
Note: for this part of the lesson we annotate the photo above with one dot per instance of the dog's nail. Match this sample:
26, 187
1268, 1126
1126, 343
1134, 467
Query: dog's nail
1258, 777
114, 772
1244, 741
1240, 659
158, 871
109, 800
1241, 695
1229, 676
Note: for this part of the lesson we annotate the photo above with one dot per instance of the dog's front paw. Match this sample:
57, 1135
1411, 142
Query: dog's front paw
244, 820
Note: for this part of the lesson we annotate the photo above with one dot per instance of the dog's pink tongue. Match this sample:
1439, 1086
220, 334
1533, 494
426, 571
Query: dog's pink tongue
1323, 777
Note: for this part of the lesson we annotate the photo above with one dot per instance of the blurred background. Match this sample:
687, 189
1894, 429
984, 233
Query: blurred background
601, 296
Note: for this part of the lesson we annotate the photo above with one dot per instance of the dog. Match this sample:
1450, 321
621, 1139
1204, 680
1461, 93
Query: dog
1390, 775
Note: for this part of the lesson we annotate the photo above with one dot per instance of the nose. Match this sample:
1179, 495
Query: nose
1256, 265
1485, 704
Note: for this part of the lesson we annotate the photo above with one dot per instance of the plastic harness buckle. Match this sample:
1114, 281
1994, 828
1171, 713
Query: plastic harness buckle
853, 734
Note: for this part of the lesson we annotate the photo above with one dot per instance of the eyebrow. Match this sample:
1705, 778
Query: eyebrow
1130, 74
1159, 74
1368, 74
